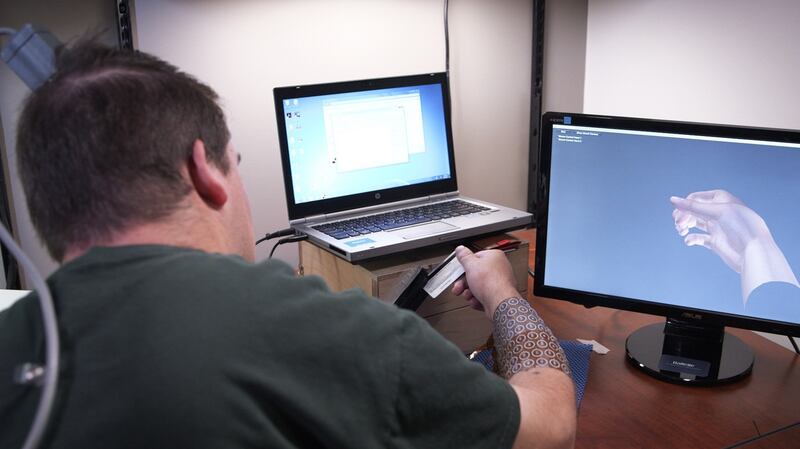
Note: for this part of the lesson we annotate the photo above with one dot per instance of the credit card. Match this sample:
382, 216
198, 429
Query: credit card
444, 275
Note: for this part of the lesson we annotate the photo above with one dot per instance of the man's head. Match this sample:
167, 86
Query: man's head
104, 145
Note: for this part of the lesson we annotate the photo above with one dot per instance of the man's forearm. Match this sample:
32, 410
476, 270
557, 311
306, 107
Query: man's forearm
525, 349
523, 341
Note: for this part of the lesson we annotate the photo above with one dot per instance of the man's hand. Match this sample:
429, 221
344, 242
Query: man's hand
488, 279
728, 224
734, 232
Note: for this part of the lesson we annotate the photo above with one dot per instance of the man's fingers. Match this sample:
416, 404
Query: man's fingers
475, 304
706, 196
698, 240
706, 211
683, 221
464, 255
714, 196
701, 225
459, 286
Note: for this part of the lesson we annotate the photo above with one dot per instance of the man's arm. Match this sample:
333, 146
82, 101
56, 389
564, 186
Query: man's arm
529, 356
547, 409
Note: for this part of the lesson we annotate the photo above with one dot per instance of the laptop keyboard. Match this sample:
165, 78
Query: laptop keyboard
397, 219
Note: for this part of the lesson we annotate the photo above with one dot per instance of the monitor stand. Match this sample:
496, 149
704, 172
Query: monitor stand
687, 353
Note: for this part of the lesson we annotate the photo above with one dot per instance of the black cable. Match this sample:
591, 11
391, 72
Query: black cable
292, 239
794, 343
272, 235
446, 40
449, 100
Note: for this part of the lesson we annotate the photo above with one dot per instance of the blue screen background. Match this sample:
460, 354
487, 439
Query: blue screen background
610, 226
313, 177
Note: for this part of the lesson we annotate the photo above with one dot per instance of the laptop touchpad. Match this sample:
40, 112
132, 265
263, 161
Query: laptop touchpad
426, 229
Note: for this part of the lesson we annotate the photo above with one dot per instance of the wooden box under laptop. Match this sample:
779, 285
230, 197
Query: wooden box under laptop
451, 316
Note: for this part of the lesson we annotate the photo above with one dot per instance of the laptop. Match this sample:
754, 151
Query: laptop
368, 167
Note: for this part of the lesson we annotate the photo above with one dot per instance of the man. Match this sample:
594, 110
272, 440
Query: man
173, 337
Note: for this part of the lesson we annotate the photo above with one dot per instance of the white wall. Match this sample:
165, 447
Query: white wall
66, 19
244, 48
719, 61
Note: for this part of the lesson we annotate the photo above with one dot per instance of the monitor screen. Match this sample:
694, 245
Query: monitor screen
677, 219
344, 139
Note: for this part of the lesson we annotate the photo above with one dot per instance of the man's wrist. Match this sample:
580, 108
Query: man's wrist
498, 299
762, 262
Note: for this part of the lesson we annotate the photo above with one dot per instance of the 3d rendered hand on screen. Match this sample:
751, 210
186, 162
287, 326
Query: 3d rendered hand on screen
739, 236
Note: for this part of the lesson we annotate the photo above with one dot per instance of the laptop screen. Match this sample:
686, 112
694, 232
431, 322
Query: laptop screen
361, 143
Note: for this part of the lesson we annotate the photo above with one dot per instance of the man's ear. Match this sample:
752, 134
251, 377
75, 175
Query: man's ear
208, 180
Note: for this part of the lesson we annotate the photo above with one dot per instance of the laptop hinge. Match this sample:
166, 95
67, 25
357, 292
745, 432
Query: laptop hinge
363, 210
370, 209
313, 218
443, 196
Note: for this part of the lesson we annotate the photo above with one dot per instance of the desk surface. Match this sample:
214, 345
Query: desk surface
625, 408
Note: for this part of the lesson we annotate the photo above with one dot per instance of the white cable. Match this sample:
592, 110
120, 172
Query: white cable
4, 30
51, 341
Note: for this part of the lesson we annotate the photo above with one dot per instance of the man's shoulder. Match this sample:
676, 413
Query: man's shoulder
165, 264
177, 280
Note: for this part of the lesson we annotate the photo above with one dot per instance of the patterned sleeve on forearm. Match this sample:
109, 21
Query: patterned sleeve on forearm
523, 341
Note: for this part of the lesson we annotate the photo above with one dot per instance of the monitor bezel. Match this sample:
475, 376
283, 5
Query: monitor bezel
372, 198
590, 299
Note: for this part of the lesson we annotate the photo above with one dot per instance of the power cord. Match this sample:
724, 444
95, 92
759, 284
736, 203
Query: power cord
447, 56
272, 235
291, 239
30, 373
794, 344
446, 38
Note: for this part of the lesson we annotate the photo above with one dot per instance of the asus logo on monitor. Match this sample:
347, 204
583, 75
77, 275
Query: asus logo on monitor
692, 316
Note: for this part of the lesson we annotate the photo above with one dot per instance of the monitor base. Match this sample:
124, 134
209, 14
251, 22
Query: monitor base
686, 353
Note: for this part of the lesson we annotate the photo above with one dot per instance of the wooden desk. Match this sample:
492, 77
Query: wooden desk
451, 316
624, 408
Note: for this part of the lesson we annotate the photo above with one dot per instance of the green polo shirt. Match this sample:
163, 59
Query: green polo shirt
166, 347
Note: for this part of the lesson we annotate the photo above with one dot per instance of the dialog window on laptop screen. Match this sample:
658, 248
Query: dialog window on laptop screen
619, 224
349, 143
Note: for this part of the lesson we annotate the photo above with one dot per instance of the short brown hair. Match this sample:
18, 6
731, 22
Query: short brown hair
101, 143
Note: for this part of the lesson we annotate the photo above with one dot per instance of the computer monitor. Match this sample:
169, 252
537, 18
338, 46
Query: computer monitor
698, 223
